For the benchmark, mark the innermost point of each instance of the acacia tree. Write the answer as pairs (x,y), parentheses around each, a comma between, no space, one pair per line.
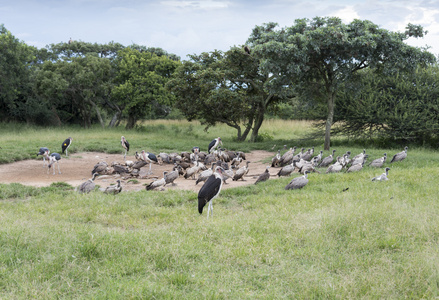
(227,88)
(323,53)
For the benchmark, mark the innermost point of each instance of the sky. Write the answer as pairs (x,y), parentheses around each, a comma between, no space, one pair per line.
(187,27)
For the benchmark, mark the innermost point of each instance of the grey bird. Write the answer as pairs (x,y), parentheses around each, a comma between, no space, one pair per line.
(298,182)
(400,156)
(113,189)
(172,176)
(241,172)
(264,176)
(287,170)
(327,160)
(379,162)
(383,176)
(99,167)
(88,186)
(157,183)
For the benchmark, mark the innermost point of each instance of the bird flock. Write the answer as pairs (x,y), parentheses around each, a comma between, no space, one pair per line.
(214,167)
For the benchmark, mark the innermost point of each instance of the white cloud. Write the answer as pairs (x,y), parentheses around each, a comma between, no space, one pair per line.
(196,4)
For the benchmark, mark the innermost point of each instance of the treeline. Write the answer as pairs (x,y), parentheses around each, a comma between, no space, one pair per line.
(361,78)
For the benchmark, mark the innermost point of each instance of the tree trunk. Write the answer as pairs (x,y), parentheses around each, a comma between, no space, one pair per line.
(258,123)
(114,119)
(131,122)
(97,112)
(329,120)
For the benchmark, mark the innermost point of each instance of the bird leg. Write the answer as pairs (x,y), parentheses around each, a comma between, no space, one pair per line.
(150,172)
(125,156)
(59,171)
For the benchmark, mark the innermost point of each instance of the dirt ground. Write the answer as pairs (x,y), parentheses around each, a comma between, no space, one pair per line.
(77,168)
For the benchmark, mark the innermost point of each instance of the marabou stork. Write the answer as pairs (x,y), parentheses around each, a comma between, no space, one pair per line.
(383,176)
(44,151)
(53,158)
(400,156)
(125,145)
(150,158)
(210,190)
(66,144)
(88,186)
(214,144)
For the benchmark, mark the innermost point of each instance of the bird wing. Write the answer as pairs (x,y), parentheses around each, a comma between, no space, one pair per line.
(208,191)
(127,145)
(152,157)
(212,143)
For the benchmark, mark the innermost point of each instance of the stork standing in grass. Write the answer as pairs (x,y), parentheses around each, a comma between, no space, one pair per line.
(214,144)
(210,190)
(44,151)
(53,158)
(65,145)
(125,145)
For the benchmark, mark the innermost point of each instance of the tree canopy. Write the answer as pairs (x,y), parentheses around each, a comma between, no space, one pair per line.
(317,56)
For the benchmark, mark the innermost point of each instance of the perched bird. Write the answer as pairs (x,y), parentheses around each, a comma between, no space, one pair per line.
(150,158)
(65,145)
(53,158)
(125,145)
(327,160)
(298,182)
(264,176)
(287,170)
(44,151)
(214,144)
(157,183)
(241,172)
(247,50)
(88,186)
(172,176)
(113,189)
(276,159)
(210,190)
(383,176)
(379,162)
(400,156)
(205,174)
(99,167)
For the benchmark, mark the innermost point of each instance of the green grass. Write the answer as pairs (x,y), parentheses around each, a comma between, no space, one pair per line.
(376,240)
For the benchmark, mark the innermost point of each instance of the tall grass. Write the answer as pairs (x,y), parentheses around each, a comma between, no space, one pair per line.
(375,240)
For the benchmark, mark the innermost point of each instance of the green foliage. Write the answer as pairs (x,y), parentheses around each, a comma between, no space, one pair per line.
(140,83)
(403,107)
(317,56)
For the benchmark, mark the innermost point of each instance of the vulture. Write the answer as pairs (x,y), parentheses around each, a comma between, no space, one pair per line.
(379,162)
(264,176)
(383,176)
(157,183)
(327,160)
(241,172)
(400,156)
(298,182)
(113,189)
(88,186)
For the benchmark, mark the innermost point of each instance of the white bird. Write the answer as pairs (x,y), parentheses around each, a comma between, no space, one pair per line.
(383,176)
(157,183)
(210,190)
(113,189)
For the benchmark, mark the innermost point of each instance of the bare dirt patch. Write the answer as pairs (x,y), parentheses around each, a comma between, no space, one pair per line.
(77,168)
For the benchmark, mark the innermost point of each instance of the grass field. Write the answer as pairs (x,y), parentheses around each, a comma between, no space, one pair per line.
(376,240)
